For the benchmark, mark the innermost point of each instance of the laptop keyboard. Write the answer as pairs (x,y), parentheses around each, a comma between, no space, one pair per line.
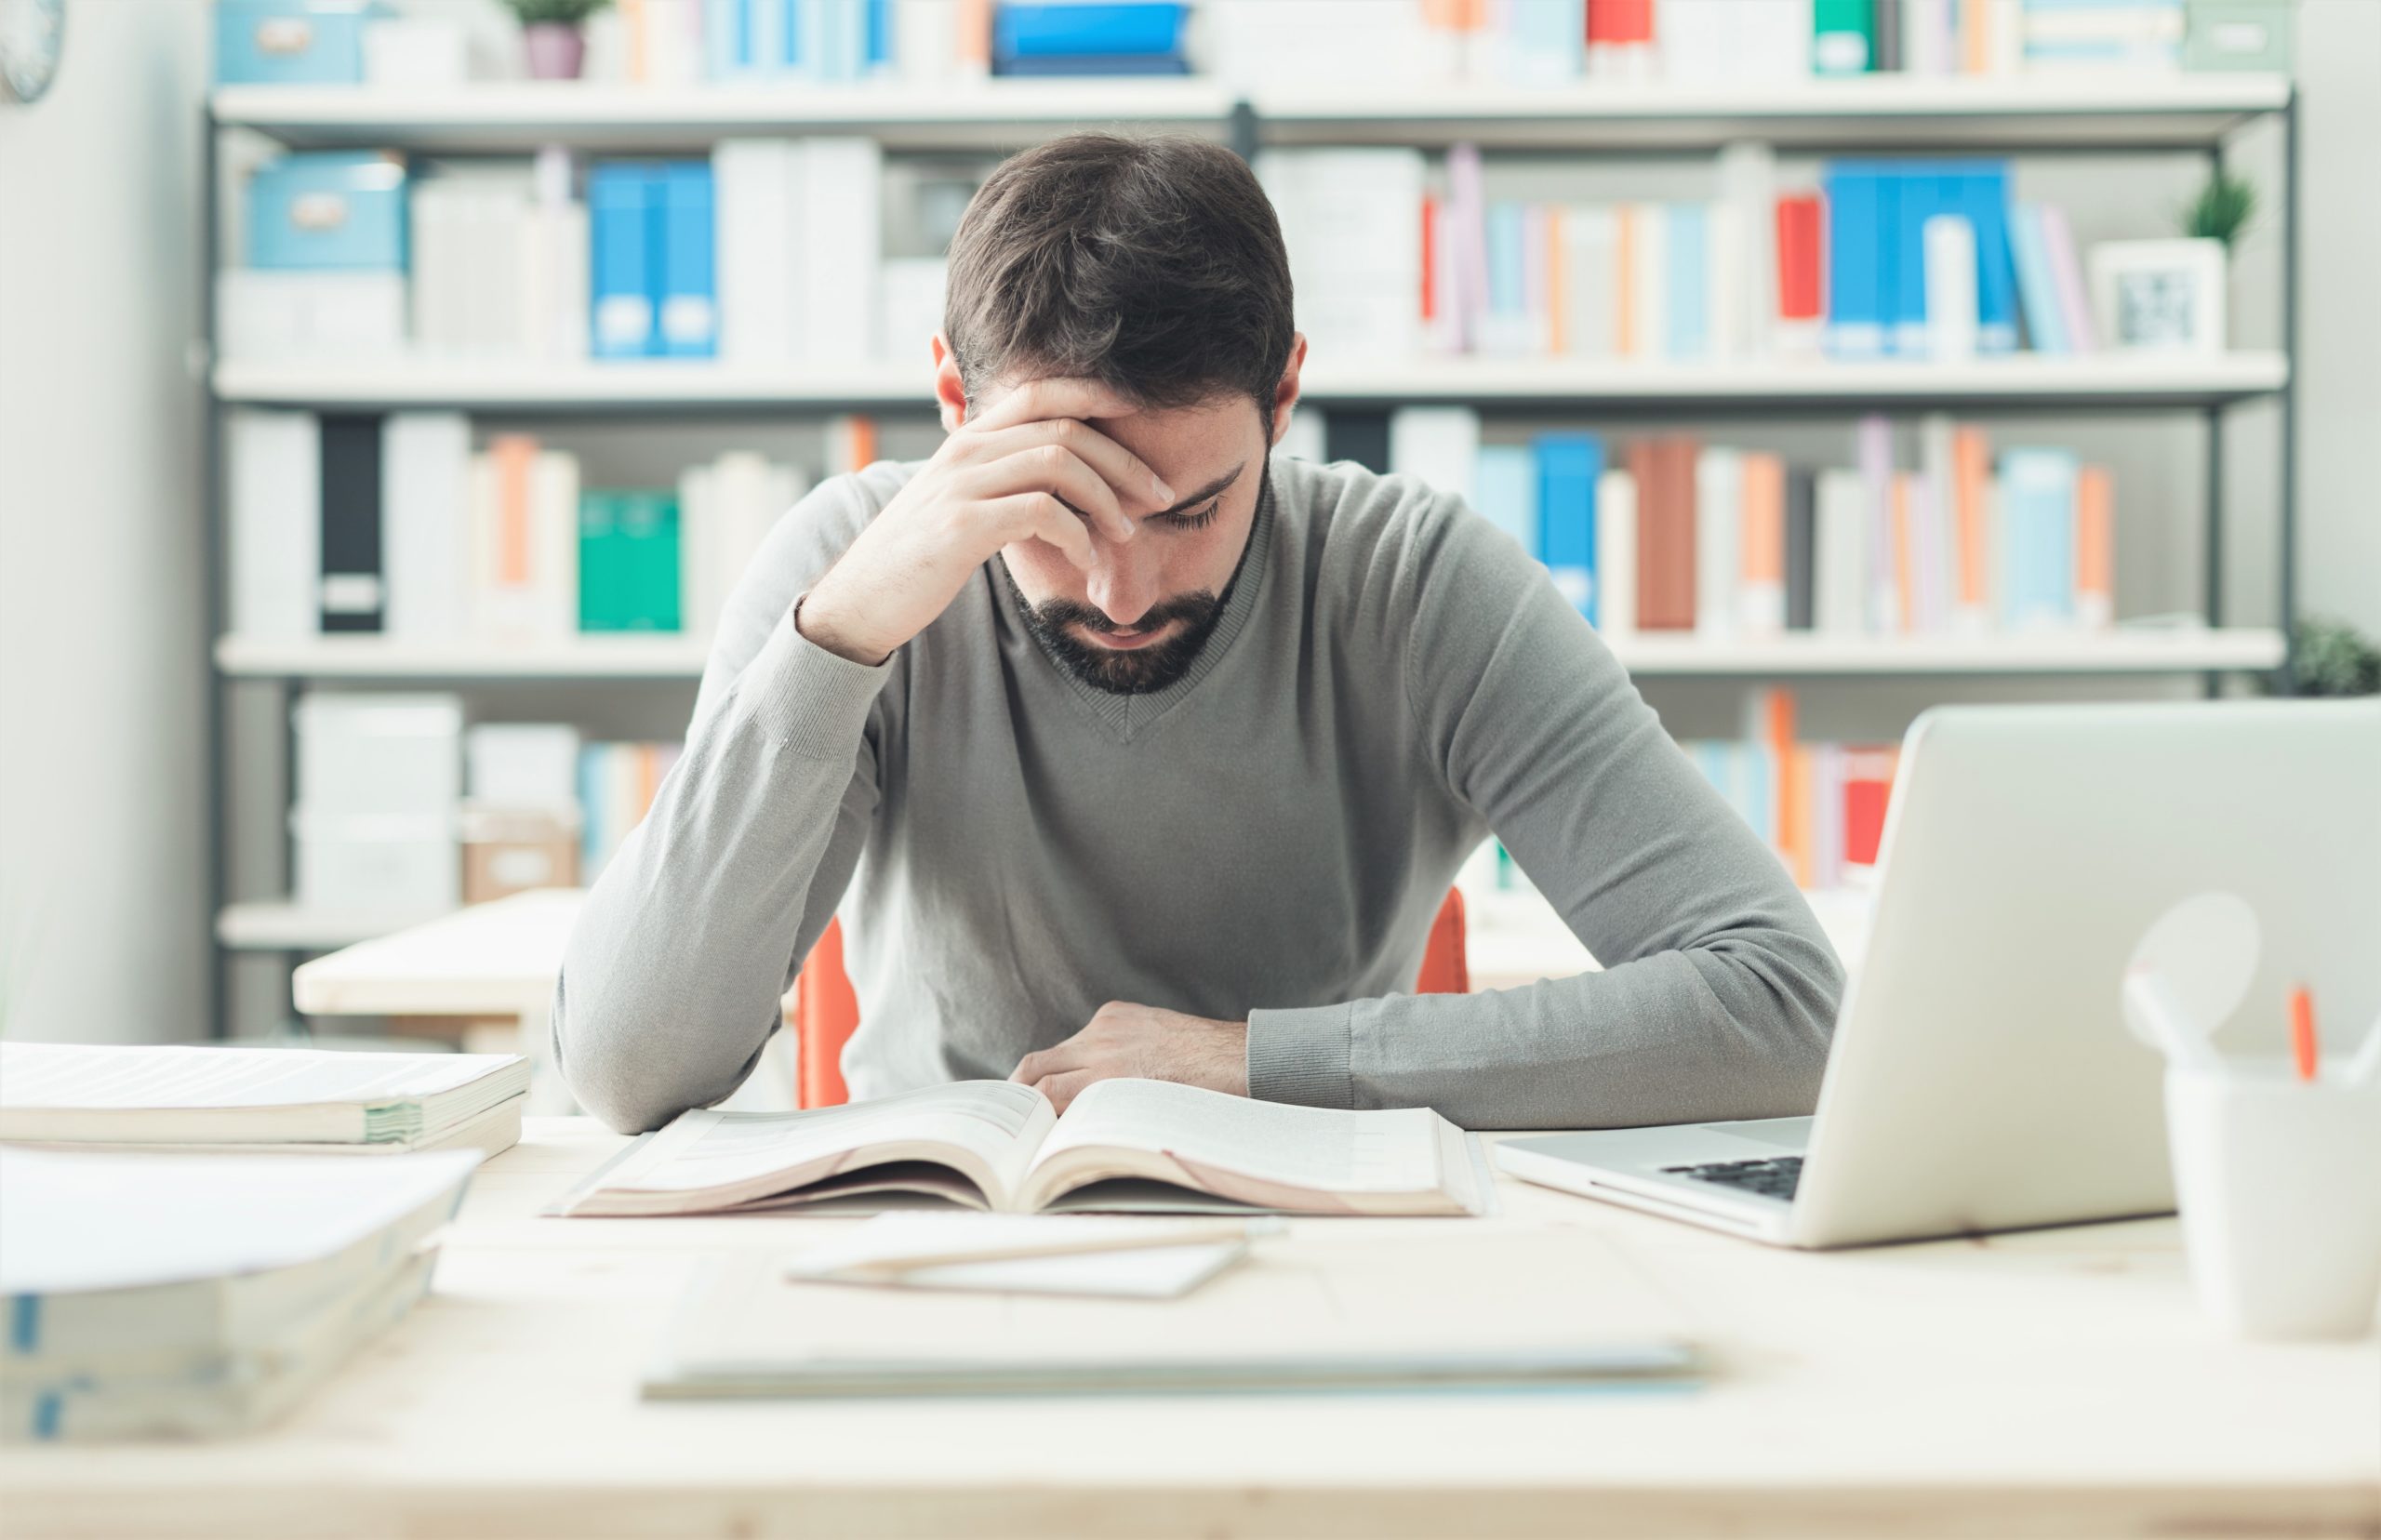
(1774,1178)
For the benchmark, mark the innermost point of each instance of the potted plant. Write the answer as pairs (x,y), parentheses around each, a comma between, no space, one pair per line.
(552,38)
(2331,659)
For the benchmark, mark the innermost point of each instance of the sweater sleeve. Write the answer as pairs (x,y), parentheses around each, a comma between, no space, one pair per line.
(672,979)
(1719,988)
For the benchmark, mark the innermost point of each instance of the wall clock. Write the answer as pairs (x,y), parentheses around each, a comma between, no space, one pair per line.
(32,33)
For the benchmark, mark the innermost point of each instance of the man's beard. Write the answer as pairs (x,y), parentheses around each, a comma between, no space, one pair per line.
(1140,671)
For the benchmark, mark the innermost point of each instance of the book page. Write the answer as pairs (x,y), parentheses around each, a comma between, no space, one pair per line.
(68,1075)
(986,1129)
(1204,1138)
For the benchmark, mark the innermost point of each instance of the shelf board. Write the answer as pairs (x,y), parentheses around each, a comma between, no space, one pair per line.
(2183,650)
(2145,651)
(2103,380)
(377,657)
(523,115)
(1885,112)
(279,925)
(1888,112)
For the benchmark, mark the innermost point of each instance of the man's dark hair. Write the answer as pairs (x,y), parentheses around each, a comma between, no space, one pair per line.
(1153,265)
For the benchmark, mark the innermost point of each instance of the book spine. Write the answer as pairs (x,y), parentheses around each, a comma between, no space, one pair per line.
(1855,319)
(275,526)
(351,594)
(1719,517)
(619,196)
(688,309)
(1802,548)
(425,500)
(1762,538)
(1949,244)
(2095,548)
(1840,582)
(1984,198)
(1568,465)
(1616,555)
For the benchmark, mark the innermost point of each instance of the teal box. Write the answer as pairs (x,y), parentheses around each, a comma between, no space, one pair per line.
(332,209)
(292,42)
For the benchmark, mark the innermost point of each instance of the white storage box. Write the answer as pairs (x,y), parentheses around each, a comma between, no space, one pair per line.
(376,862)
(379,754)
(521,764)
(265,314)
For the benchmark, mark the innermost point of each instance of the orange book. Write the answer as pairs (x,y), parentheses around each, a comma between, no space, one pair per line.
(1794,814)
(1454,15)
(2094,546)
(634,22)
(514,455)
(975,39)
(1904,579)
(1975,38)
(1624,333)
(1761,544)
(1430,259)
(1971,514)
(1557,300)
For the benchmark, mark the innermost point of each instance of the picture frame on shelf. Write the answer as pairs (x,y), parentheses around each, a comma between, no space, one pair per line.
(2159,297)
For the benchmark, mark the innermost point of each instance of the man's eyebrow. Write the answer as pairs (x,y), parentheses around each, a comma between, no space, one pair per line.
(1211,489)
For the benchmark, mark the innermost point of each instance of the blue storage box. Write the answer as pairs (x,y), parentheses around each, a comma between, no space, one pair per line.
(1025,31)
(292,42)
(343,209)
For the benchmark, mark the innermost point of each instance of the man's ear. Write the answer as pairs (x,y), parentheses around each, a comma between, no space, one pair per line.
(950,391)
(1285,395)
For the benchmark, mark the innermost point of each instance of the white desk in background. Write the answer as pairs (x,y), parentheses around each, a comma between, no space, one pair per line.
(2052,1383)
(500,960)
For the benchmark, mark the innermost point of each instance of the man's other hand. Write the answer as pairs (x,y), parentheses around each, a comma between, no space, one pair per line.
(1127,1041)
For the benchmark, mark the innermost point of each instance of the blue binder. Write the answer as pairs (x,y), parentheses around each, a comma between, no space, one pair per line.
(1568,465)
(689,306)
(623,200)
(1855,319)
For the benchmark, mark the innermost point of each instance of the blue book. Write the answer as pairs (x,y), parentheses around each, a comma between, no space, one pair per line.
(878,52)
(1126,27)
(1918,197)
(2038,537)
(1552,34)
(623,200)
(1508,492)
(727,39)
(1984,198)
(1507,287)
(1856,317)
(1686,286)
(1885,238)
(2037,289)
(688,303)
(1568,465)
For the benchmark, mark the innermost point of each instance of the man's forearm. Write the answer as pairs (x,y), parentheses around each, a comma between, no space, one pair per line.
(672,979)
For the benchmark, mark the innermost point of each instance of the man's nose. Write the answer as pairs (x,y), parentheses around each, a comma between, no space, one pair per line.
(1124,580)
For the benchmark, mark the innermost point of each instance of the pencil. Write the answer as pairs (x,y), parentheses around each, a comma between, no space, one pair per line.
(2302,1031)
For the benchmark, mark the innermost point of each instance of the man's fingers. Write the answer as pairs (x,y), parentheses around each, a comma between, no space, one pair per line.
(1039,516)
(1062,1089)
(1055,469)
(1054,398)
(1133,481)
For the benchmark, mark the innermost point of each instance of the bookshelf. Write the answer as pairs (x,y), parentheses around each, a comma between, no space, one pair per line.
(2190,113)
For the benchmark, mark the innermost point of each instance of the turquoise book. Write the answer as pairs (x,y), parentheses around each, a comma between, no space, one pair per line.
(627,562)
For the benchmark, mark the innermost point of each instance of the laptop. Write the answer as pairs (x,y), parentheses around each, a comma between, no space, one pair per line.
(1981,1076)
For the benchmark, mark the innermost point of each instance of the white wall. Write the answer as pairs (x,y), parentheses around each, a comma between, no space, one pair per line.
(102,687)
(2339,269)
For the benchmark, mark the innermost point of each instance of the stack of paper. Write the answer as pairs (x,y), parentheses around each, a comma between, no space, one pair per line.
(281,1100)
(196,1296)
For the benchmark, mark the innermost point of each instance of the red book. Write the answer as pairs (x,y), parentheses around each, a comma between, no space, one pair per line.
(1799,289)
(1621,20)
(1430,258)
(1665,472)
(1867,786)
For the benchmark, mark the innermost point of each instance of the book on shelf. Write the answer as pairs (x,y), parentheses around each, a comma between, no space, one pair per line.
(1819,806)
(162,1296)
(393,525)
(303,1099)
(1732,544)
(1124,1145)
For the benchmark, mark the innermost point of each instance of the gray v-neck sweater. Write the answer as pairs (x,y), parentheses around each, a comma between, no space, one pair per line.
(1268,838)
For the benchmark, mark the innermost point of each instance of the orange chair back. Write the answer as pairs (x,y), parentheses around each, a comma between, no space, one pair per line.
(825,1012)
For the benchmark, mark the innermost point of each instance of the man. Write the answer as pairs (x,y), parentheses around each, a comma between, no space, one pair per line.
(1127,750)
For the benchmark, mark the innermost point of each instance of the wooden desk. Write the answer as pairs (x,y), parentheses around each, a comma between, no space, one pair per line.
(2057,1382)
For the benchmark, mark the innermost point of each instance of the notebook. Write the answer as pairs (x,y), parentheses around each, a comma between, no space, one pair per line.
(259,1097)
(1336,1307)
(1124,1145)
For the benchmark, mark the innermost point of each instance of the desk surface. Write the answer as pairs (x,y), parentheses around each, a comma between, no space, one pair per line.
(2052,1382)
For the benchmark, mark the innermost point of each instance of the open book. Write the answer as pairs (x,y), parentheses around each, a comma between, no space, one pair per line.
(1124,1144)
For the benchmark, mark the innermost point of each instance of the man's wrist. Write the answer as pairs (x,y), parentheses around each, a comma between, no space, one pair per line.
(820,630)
